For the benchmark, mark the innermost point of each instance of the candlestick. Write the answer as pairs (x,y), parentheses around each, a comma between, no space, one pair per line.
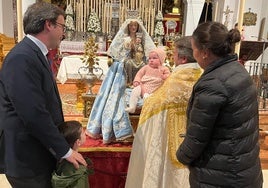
(240,22)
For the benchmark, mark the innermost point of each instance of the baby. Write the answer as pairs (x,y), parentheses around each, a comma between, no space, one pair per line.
(148,78)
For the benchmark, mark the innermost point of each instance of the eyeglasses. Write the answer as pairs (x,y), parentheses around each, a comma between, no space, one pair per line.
(62,25)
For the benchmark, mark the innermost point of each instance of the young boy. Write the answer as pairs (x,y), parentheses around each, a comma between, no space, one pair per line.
(66,175)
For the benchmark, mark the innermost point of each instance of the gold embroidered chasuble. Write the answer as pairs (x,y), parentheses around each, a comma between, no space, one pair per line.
(153,161)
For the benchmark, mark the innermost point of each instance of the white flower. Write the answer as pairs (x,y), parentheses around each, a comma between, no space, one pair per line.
(93,24)
(69,23)
(159,29)
(69,10)
(159,16)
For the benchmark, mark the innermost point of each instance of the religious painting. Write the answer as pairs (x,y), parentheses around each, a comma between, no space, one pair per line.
(250,18)
(172,23)
(101,41)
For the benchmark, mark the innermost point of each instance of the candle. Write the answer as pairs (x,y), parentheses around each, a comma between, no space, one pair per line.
(139,8)
(149,20)
(81,16)
(152,26)
(77,16)
(240,22)
(110,18)
(216,4)
(167,27)
(19,17)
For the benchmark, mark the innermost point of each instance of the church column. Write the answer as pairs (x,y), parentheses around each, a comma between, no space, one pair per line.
(240,22)
(1,17)
(22,6)
(19,20)
(192,13)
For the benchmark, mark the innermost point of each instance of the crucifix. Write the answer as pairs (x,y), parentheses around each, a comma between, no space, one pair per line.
(226,13)
(207,3)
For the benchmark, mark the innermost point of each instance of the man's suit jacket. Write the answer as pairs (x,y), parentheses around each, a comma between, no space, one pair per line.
(30,109)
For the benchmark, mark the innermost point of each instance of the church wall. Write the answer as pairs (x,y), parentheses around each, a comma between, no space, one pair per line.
(232,19)
(6,18)
(251,32)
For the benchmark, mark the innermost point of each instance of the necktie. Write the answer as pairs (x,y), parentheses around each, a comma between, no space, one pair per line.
(48,59)
(49,64)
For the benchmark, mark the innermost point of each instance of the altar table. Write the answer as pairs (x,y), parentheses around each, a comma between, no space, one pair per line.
(69,69)
(70,65)
(110,163)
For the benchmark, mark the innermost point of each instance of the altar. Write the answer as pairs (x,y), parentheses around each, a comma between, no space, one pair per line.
(70,65)
(70,69)
(110,163)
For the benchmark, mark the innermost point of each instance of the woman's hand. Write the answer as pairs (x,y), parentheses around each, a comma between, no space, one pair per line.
(164,73)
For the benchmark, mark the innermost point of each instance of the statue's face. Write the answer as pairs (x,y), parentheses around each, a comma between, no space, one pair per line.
(133,27)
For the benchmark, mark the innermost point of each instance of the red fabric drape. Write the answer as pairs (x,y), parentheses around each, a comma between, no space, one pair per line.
(110,169)
(110,163)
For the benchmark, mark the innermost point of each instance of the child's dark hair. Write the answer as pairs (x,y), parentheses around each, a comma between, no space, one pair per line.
(71,131)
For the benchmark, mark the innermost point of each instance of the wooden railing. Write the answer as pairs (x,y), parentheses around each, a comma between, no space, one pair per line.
(259,74)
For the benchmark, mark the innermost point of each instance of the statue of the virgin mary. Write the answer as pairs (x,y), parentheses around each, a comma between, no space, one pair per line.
(108,118)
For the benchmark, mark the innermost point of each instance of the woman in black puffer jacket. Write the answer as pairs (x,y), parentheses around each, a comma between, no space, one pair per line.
(221,143)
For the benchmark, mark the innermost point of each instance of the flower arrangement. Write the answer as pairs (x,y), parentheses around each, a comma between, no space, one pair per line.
(90,60)
(69,10)
(91,48)
(69,21)
(159,28)
(93,24)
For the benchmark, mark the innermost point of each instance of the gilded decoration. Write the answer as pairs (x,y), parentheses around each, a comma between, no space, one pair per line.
(250,18)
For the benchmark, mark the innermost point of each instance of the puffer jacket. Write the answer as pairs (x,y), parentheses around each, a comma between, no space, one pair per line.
(221,144)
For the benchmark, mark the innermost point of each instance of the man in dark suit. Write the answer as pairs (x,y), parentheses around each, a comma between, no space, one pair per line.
(30,106)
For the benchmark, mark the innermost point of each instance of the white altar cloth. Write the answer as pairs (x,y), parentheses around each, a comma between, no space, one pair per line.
(72,46)
(70,65)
